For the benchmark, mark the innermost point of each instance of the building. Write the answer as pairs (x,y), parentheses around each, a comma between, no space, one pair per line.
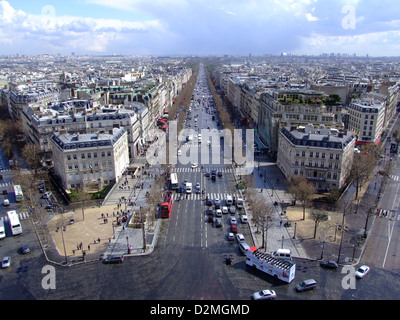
(296,107)
(367,118)
(90,161)
(323,155)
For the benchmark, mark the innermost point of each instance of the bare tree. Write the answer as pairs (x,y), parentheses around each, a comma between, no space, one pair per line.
(318,217)
(361,170)
(262,212)
(301,190)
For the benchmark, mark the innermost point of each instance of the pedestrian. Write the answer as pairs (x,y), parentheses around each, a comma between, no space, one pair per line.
(88,247)
(280,223)
(98,240)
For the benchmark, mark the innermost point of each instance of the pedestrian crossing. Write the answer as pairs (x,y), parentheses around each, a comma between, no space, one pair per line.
(5,184)
(395,178)
(388,214)
(22,216)
(199,196)
(188,169)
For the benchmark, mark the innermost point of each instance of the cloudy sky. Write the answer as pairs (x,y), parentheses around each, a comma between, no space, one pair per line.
(142,27)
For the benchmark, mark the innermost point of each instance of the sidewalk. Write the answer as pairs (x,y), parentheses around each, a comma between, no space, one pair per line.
(80,239)
(278,236)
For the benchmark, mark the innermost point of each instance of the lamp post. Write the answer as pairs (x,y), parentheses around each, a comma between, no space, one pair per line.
(294,235)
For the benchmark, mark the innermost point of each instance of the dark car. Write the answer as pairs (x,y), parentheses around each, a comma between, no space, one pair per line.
(5,192)
(219,173)
(210,212)
(218,222)
(24,249)
(209,202)
(329,264)
(207,174)
(180,189)
(114,259)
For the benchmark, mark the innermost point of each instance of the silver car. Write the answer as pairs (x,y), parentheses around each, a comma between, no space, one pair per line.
(264,295)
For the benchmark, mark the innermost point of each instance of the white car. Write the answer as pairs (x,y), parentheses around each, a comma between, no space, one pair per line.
(218,213)
(264,295)
(225,210)
(240,237)
(362,272)
(231,236)
(194,165)
(6,262)
(233,220)
(244,219)
(179,152)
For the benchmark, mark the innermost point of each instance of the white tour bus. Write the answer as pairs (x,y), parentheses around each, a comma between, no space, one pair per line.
(2,230)
(15,224)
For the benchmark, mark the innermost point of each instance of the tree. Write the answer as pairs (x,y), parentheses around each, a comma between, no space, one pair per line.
(318,217)
(262,212)
(301,190)
(361,169)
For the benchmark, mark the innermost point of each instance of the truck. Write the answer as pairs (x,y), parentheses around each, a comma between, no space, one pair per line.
(283,270)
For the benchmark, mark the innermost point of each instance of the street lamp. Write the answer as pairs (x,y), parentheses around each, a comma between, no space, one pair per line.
(294,235)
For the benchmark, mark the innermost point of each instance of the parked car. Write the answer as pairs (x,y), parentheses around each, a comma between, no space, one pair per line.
(209,202)
(362,271)
(244,219)
(6,262)
(264,295)
(217,203)
(329,264)
(114,259)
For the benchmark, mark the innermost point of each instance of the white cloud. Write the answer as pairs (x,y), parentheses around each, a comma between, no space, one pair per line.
(51,32)
(310,17)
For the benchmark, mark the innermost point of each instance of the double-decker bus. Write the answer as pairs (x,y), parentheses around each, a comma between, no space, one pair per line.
(19,196)
(174,181)
(15,224)
(166,206)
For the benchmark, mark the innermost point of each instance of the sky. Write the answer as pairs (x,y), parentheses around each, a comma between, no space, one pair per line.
(200,27)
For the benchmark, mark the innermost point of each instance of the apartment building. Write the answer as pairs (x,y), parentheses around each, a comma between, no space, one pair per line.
(77,117)
(323,155)
(90,161)
(367,118)
(298,107)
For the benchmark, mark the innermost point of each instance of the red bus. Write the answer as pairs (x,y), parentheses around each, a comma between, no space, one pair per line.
(166,206)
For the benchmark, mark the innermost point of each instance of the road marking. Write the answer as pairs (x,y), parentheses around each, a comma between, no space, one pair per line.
(390,233)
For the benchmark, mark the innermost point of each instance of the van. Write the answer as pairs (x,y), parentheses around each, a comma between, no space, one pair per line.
(244,247)
(229,200)
(284,254)
(306,285)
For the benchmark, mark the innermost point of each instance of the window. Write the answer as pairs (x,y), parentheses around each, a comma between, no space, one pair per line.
(89,155)
(82,156)
(68,157)
(94,154)
(311,154)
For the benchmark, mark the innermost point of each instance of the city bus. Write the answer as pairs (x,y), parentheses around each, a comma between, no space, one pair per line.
(174,181)
(15,224)
(19,196)
(166,206)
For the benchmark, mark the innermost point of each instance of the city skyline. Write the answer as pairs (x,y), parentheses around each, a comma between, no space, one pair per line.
(182,27)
